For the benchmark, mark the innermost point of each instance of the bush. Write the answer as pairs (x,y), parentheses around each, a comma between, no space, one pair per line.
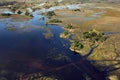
(28,14)
(50,13)
(94,35)
(6,14)
(76,45)
(65,34)
(19,12)
(55,21)
(69,26)
(76,9)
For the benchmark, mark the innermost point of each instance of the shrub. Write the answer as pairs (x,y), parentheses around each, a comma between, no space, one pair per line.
(55,21)
(6,14)
(94,35)
(28,14)
(76,9)
(19,12)
(77,45)
(69,26)
(50,13)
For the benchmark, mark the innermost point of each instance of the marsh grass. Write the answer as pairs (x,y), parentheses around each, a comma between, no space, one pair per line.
(112,13)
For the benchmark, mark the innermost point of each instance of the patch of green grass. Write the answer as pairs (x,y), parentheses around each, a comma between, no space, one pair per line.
(55,21)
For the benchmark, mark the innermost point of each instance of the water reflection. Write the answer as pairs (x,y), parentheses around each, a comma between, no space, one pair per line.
(32,46)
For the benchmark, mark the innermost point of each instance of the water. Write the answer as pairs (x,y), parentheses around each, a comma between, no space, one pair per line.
(32,46)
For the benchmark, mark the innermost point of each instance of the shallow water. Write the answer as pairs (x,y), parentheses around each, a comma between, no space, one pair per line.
(26,48)
(32,46)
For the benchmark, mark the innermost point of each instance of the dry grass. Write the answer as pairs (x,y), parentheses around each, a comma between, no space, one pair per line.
(108,22)
(17,17)
(112,13)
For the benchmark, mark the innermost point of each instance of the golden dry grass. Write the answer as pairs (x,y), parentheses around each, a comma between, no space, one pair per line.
(108,22)
(17,17)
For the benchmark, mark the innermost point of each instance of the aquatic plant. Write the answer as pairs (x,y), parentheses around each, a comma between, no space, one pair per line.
(11,28)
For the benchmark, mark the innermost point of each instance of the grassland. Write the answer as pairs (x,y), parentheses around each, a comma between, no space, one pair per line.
(103,18)
(108,52)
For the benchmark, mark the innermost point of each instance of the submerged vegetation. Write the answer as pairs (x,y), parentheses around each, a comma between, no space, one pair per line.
(11,28)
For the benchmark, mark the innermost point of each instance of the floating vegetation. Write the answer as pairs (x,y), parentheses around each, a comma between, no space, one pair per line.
(48,35)
(58,57)
(11,28)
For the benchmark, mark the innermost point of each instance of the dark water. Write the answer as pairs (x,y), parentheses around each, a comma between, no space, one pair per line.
(32,46)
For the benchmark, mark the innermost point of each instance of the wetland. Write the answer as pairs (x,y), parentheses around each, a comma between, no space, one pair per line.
(64,42)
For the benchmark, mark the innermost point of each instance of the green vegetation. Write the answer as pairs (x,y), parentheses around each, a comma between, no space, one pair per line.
(69,26)
(54,21)
(13,9)
(77,45)
(19,12)
(76,9)
(94,36)
(5,14)
(65,34)
(50,13)
(89,39)
(28,14)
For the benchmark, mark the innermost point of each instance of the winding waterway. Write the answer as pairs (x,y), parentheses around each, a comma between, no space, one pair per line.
(32,46)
